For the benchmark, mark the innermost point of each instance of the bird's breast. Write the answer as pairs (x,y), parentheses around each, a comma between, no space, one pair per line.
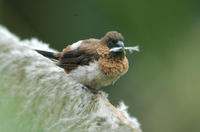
(91,75)
(113,67)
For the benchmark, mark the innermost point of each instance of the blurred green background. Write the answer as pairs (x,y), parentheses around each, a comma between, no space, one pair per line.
(162,85)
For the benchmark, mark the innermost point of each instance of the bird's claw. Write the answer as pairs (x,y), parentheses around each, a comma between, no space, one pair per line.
(92,90)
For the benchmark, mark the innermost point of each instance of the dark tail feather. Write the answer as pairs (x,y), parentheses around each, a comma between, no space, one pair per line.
(48,54)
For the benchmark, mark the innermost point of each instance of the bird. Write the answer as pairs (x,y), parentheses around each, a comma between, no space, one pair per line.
(95,63)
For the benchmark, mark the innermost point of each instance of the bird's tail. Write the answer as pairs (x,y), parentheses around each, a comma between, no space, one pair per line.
(48,54)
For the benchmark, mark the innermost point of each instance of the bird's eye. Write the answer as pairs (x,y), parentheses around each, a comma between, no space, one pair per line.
(111,43)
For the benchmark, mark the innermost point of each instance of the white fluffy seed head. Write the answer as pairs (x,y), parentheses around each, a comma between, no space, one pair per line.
(130,49)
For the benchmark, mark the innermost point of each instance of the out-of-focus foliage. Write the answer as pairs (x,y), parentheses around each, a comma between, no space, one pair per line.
(161,87)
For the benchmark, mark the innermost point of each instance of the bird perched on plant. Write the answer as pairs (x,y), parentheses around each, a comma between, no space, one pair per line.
(95,63)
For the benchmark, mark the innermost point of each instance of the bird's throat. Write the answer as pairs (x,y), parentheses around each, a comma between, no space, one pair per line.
(113,66)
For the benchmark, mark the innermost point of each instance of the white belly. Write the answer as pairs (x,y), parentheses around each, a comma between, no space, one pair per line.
(92,76)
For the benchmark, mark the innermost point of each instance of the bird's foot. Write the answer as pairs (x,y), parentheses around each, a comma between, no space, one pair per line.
(92,90)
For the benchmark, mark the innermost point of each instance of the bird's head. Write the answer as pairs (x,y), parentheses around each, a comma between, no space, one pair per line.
(115,42)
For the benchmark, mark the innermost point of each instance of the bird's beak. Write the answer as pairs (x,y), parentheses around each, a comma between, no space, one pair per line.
(119,48)
(120,44)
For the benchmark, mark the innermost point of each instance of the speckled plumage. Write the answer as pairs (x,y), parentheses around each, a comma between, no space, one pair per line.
(111,65)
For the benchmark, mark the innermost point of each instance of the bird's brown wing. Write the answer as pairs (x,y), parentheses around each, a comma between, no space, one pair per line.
(83,55)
